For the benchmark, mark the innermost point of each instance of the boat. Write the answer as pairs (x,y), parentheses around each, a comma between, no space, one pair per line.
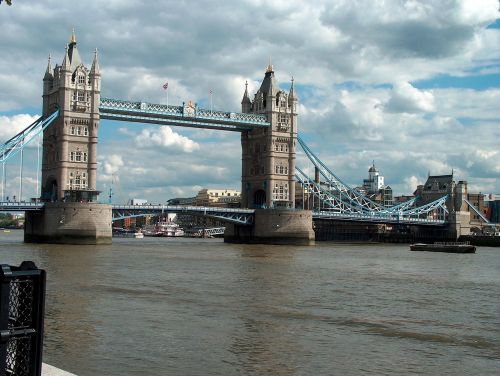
(450,247)
(124,233)
(164,228)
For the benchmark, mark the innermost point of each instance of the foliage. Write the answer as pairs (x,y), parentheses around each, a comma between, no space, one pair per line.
(7,220)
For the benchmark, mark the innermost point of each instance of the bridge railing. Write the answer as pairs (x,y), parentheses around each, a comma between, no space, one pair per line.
(109,105)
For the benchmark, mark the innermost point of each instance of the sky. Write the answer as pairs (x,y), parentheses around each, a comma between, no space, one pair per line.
(412,86)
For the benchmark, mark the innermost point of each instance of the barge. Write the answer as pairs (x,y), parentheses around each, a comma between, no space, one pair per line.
(450,247)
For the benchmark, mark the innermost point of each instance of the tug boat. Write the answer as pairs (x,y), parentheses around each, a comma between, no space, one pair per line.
(450,247)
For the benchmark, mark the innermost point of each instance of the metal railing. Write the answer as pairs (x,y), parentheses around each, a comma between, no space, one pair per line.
(22,301)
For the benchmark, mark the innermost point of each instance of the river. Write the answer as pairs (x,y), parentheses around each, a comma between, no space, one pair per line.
(164,306)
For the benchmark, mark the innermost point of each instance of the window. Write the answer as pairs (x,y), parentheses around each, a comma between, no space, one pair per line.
(77,181)
(81,96)
(84,157)
(72,131)
(78,131)
(74,95)
(78,156)
(81,79)
(71,159)
(85,131)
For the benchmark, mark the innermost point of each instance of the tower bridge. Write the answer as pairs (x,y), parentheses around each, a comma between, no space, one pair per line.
(69,210)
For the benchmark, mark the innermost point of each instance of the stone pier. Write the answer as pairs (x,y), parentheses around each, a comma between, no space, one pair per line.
(69,223)
(274,226)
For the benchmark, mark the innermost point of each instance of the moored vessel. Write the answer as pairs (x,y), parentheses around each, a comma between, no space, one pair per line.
(164,228)
(450,247)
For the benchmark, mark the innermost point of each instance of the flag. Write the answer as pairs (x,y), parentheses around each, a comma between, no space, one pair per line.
(210,92)
(165,85)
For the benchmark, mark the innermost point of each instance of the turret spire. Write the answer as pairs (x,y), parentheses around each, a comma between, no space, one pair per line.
(270,66)
(66,65)
(72,40)
(48,72)
(291,95)
(95,65)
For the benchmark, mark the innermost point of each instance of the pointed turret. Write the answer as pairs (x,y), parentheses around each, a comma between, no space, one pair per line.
(292,94)
(66,64)
(246,103)
(94,70)
(48,73)
(292,97)
(74,56)
(269,86)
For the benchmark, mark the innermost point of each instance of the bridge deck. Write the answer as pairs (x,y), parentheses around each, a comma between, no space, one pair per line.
(186,116)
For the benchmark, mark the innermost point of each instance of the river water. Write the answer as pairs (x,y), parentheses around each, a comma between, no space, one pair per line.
(160,306)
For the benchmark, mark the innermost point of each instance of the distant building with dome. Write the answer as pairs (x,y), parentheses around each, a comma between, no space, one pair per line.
(375,189)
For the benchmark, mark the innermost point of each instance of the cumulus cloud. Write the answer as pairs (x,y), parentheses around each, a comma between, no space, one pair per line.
(112,164)
(12,125)
(406,98)
(165,137)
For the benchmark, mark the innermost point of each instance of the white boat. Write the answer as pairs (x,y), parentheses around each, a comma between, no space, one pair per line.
(164,228)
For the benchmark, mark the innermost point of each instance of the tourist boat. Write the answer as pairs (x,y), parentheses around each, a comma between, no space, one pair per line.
(164,228)
(451,247)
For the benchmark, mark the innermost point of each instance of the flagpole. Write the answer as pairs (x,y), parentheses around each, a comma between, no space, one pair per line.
(167,96)
(210,101)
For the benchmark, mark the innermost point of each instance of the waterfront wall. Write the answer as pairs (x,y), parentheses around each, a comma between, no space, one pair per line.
(70,223)
(274,226)
(372,232)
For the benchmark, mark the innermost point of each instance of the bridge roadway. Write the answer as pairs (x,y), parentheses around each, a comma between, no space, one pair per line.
(239,216)
(234,215)
(186,116)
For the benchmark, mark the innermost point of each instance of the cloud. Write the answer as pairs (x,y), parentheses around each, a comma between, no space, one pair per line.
(165,137)
(112,164)
(406,98)
(12,125)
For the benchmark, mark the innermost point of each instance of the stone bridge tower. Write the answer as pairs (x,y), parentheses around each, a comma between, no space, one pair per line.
(70,142)
(71,214)
(268,155)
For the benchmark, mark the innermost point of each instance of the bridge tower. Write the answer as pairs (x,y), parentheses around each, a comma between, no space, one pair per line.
(268,155)
(268,170)
(69,164)
(70,142)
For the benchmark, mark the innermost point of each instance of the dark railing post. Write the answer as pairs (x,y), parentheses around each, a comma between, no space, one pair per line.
(22,304)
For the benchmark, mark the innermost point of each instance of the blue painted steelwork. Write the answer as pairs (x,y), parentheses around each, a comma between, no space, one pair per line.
(352,200)
(378,218)
(480,215)
(186,116)
(23,138)
(239,216)
(337,200)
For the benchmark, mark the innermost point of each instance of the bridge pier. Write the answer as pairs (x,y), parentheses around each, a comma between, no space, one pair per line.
(274,226)
(69,223)
(459,224)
